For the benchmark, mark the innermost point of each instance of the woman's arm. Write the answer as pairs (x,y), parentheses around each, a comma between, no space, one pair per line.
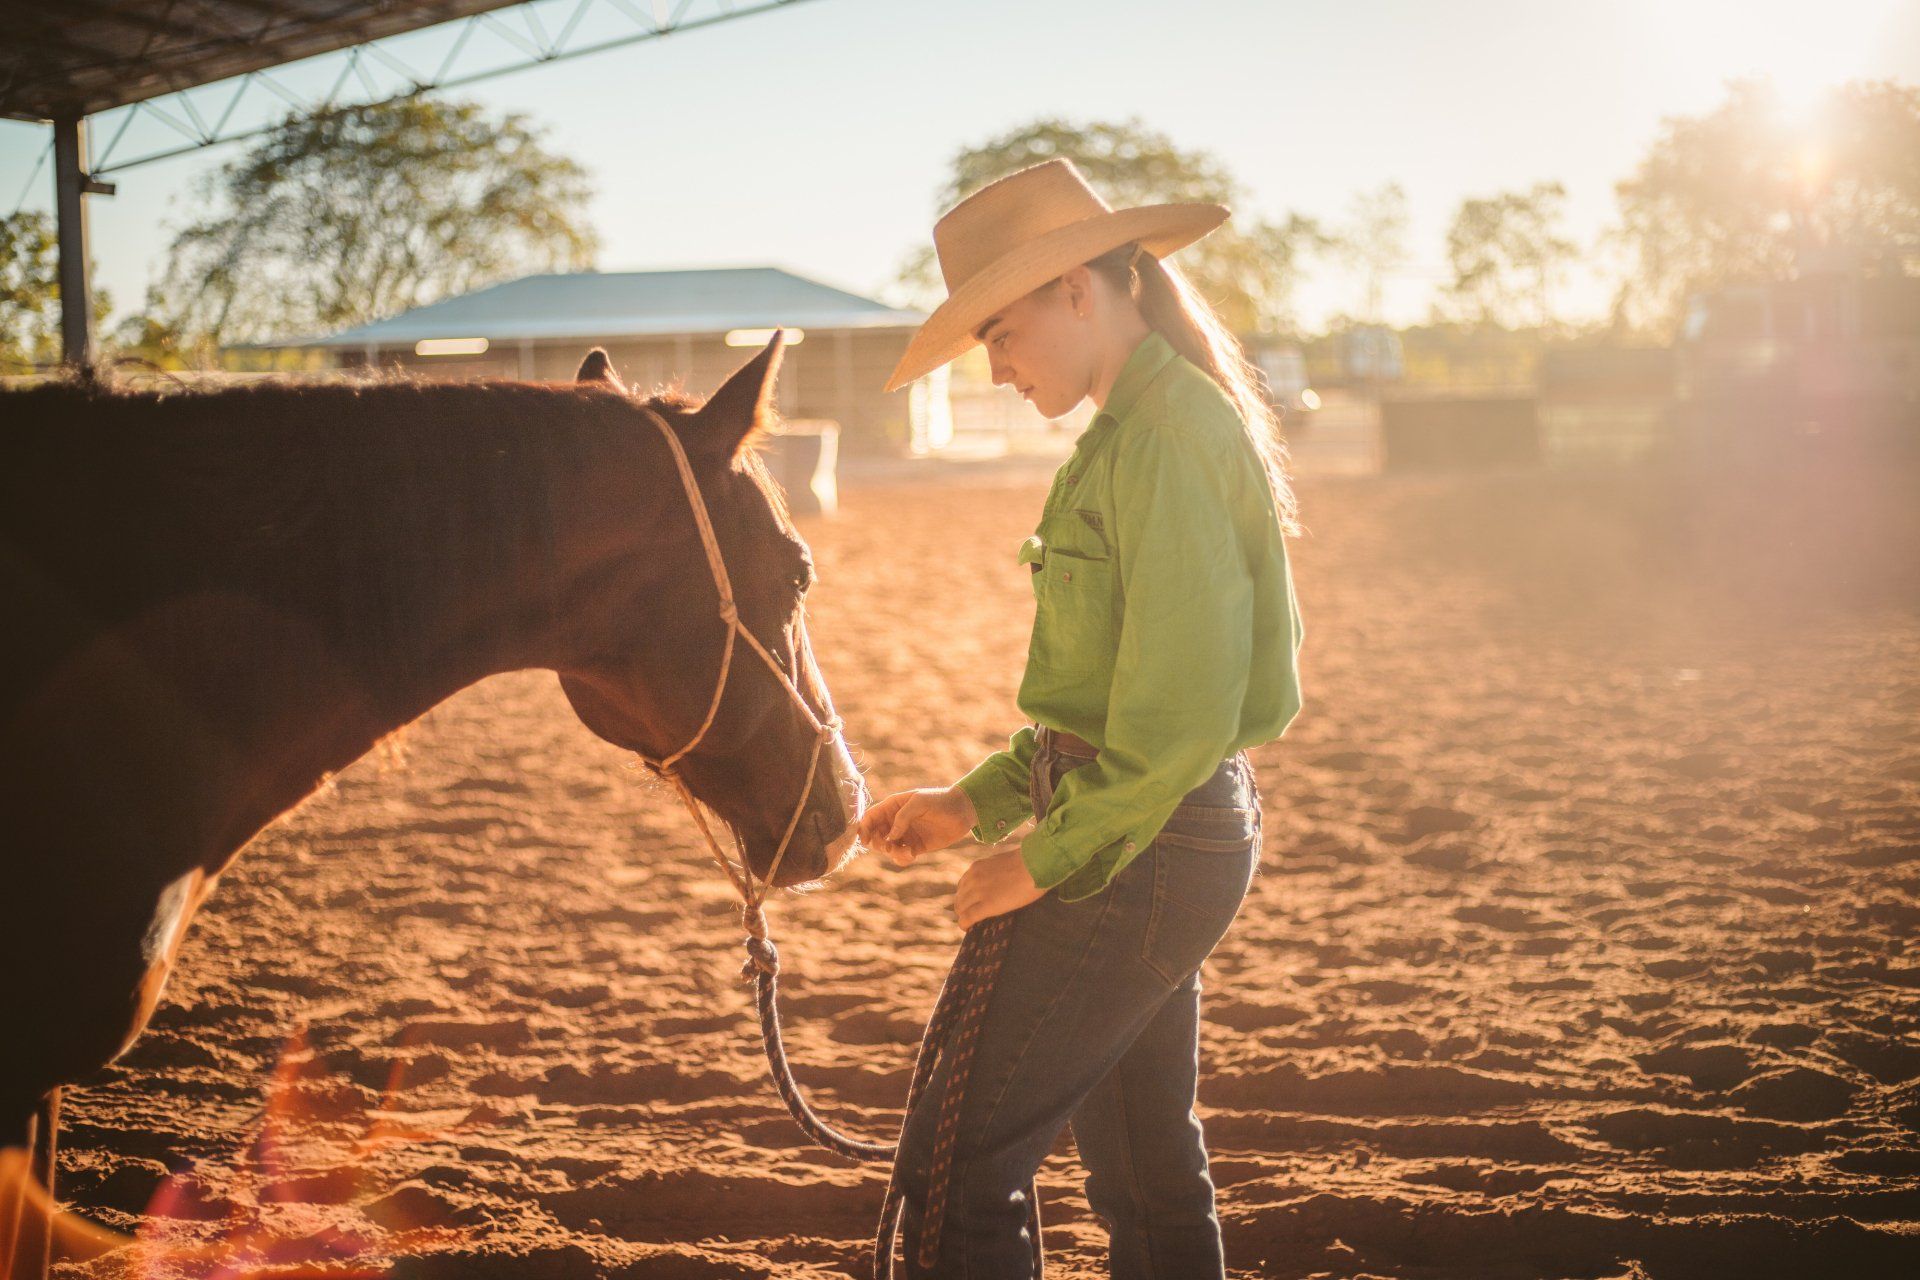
(998,788)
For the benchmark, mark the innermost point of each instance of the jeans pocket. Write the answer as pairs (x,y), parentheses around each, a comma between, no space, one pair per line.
(1211,828)
(1196,895)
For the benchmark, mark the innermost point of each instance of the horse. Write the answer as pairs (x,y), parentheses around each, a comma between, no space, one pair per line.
(217,599)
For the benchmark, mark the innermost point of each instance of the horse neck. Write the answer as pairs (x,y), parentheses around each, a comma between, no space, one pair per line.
(440,547)
(470,568)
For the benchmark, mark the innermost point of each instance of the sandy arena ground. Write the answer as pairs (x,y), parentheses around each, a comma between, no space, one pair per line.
(1583,944)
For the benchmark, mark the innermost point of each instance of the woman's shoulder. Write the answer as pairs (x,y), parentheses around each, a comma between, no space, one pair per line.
(1187,403)
(1183,437)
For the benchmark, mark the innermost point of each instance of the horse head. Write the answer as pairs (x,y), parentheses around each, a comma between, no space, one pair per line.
(763,763)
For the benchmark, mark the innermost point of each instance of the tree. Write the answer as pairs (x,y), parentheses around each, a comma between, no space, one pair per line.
(1248,268)
(1506,253)
(1374,241)
(30,292)
(29,289)
(1744,193)
(149,339)
(346,216)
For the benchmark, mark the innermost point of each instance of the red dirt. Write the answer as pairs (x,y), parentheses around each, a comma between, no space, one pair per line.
(1583,943)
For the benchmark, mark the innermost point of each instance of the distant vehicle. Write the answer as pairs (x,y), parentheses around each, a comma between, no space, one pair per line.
(1831,355)
(1283,368)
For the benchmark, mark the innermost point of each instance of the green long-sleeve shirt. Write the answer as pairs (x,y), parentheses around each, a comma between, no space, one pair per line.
(1165,633)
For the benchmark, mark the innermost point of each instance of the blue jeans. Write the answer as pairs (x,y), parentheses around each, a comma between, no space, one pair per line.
(1095,1021)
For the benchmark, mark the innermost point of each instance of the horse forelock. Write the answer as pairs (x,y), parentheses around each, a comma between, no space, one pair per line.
(754,466)
(676,406)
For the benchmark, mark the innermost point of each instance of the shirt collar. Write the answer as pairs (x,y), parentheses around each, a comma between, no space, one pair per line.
(1148,359)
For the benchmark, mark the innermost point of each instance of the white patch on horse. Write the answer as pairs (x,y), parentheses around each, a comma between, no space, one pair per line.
(169,919)
(160,944)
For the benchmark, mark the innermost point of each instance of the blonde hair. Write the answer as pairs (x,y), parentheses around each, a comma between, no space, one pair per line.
(1174,308)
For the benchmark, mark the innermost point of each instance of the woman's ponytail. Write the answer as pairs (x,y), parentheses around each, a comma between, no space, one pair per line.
(1172,307)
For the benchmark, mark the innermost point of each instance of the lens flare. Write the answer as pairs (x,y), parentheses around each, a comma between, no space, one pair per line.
(302,1198)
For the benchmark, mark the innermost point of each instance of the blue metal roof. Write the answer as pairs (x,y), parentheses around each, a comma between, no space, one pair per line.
(595,305)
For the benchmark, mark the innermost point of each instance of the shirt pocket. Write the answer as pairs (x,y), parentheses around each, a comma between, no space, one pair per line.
(1075,586)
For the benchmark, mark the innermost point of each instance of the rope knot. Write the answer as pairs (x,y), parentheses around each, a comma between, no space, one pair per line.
(762,956)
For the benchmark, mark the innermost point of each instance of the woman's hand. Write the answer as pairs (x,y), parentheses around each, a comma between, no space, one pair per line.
(909,823)
(994,886)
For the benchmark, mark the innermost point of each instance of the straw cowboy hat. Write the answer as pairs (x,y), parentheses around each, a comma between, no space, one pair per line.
(1013,235)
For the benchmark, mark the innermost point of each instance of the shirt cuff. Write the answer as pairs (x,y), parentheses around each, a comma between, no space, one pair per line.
(997,806)
(1050,864)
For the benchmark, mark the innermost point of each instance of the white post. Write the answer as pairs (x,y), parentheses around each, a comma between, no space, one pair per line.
(70,207)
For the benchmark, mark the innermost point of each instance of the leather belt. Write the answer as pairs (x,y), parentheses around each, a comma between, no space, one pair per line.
(1069,743)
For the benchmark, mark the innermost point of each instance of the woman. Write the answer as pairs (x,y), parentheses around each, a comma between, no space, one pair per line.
(1165,644)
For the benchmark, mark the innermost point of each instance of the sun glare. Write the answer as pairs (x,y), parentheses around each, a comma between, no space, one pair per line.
(1803,53)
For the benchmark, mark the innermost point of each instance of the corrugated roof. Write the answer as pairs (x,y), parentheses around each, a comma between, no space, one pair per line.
(85,56)
(594,305)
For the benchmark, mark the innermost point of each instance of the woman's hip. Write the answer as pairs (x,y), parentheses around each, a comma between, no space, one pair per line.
(1177,897)
(1222,813)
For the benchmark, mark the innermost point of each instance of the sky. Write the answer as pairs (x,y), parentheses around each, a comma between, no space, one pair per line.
(816,137)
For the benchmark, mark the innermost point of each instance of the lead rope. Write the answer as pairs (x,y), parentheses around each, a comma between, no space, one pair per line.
(954,1025)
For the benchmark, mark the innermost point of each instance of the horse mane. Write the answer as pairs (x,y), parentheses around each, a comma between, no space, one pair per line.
(306,496)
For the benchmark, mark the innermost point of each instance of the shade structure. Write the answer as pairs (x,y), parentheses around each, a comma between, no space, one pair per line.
(82,57)
(64,62)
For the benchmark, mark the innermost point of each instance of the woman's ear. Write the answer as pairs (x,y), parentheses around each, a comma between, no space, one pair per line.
(1076,290)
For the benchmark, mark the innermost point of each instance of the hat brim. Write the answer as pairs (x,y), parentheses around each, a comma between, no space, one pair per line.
(1160,229)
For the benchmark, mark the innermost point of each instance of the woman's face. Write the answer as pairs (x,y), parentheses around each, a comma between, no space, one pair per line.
(1041,345)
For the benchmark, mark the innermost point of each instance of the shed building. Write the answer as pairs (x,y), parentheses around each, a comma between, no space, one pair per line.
(691,328)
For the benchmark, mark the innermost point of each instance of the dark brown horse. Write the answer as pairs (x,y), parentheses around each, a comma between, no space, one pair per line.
(214,600)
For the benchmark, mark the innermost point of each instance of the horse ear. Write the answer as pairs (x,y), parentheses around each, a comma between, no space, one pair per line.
(598,368)
(742,409)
